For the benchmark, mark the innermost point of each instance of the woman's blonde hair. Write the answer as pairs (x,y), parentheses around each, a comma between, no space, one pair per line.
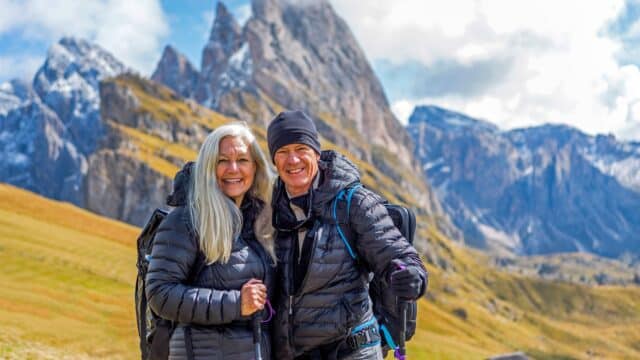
(215,216)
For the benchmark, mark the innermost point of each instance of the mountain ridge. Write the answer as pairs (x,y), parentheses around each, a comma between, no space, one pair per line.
(530,191)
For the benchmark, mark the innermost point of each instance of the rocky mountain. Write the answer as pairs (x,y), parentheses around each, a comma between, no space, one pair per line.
(176,72)
(78,134)
(539,190)
(48,128)
(301,55)
(296,55)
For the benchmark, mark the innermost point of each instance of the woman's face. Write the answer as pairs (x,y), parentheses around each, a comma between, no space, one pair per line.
(235,168)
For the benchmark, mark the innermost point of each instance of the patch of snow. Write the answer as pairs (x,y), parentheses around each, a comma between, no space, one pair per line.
(496,235)
(431,164)
(626,171)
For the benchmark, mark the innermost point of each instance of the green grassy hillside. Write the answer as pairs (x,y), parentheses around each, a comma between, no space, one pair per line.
(68,279)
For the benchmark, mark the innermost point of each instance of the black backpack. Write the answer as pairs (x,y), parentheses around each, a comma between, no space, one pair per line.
(154,331)
(385,306)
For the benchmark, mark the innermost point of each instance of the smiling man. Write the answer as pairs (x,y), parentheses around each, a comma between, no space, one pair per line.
(325,311)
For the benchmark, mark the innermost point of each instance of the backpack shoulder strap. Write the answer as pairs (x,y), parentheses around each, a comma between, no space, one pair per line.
(346,195)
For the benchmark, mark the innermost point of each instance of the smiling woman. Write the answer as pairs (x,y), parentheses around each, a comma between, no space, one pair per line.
(212,265)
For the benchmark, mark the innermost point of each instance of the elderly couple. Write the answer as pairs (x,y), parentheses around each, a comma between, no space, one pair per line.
(274,242)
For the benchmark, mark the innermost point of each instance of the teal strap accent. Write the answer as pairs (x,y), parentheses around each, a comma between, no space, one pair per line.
(338,197)
(349,196)
(335,217)
(387,337)
(363,325)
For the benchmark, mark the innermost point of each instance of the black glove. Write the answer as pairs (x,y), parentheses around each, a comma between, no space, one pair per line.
(406,281)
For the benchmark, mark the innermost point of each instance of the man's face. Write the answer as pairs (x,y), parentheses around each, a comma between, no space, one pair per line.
(297,165)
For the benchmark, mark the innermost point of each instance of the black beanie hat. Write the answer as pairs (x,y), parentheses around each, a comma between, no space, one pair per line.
(292,127)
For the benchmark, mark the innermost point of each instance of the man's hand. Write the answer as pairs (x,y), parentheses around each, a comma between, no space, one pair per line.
(405,281)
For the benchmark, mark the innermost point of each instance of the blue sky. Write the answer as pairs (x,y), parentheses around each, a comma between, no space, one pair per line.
(514,63)
(190,22)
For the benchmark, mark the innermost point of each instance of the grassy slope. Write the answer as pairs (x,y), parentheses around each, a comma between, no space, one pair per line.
(67,278)
(506,312)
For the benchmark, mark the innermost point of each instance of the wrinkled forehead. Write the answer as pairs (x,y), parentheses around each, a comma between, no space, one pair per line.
(234,145)
(294,146)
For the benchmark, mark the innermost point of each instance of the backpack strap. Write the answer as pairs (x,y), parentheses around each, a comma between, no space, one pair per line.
(388,338)
(347,195)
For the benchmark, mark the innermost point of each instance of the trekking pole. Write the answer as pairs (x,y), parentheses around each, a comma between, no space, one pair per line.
(401,351)
(257,334)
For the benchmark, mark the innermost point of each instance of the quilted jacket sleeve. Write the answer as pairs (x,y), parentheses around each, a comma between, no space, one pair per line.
(173,257)
(379,241)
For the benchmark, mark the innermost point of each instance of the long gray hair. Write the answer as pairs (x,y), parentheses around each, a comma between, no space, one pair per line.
(216,217)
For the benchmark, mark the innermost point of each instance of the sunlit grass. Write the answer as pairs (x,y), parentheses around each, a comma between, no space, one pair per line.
(67,281)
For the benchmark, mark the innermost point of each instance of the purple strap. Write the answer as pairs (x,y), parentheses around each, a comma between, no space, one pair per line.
(271,311)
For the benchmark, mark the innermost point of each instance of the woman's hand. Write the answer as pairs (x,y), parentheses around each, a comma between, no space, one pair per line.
(253,295)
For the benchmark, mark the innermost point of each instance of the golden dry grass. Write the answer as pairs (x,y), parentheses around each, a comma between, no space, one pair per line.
(68,279)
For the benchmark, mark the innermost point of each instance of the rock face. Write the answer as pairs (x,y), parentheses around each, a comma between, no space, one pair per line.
(305,48)
(538,190)
(296,55)
(302,55)
(175,71)
(48,129)
(81,136)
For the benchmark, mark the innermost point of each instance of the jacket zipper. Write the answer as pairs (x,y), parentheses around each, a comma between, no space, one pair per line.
(316,230)
(291,286)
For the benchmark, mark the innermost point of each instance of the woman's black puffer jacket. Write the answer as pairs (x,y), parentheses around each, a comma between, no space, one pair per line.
(207,311)
(332,294)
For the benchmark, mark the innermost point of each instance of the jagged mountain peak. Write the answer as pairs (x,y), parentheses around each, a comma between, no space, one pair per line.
(71,56)
(225,37)
(445,119)
(302,55)
(305,56)
(177,72)
(68,82)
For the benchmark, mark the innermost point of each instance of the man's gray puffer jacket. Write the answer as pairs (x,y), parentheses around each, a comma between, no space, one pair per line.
(333,297)
(207,311)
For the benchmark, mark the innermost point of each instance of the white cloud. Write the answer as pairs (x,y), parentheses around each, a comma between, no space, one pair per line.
(242,13)
(20,67)
(131,30)
(560,62)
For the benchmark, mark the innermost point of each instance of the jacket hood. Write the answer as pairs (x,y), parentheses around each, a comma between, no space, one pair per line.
(338,172)
(181,186)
